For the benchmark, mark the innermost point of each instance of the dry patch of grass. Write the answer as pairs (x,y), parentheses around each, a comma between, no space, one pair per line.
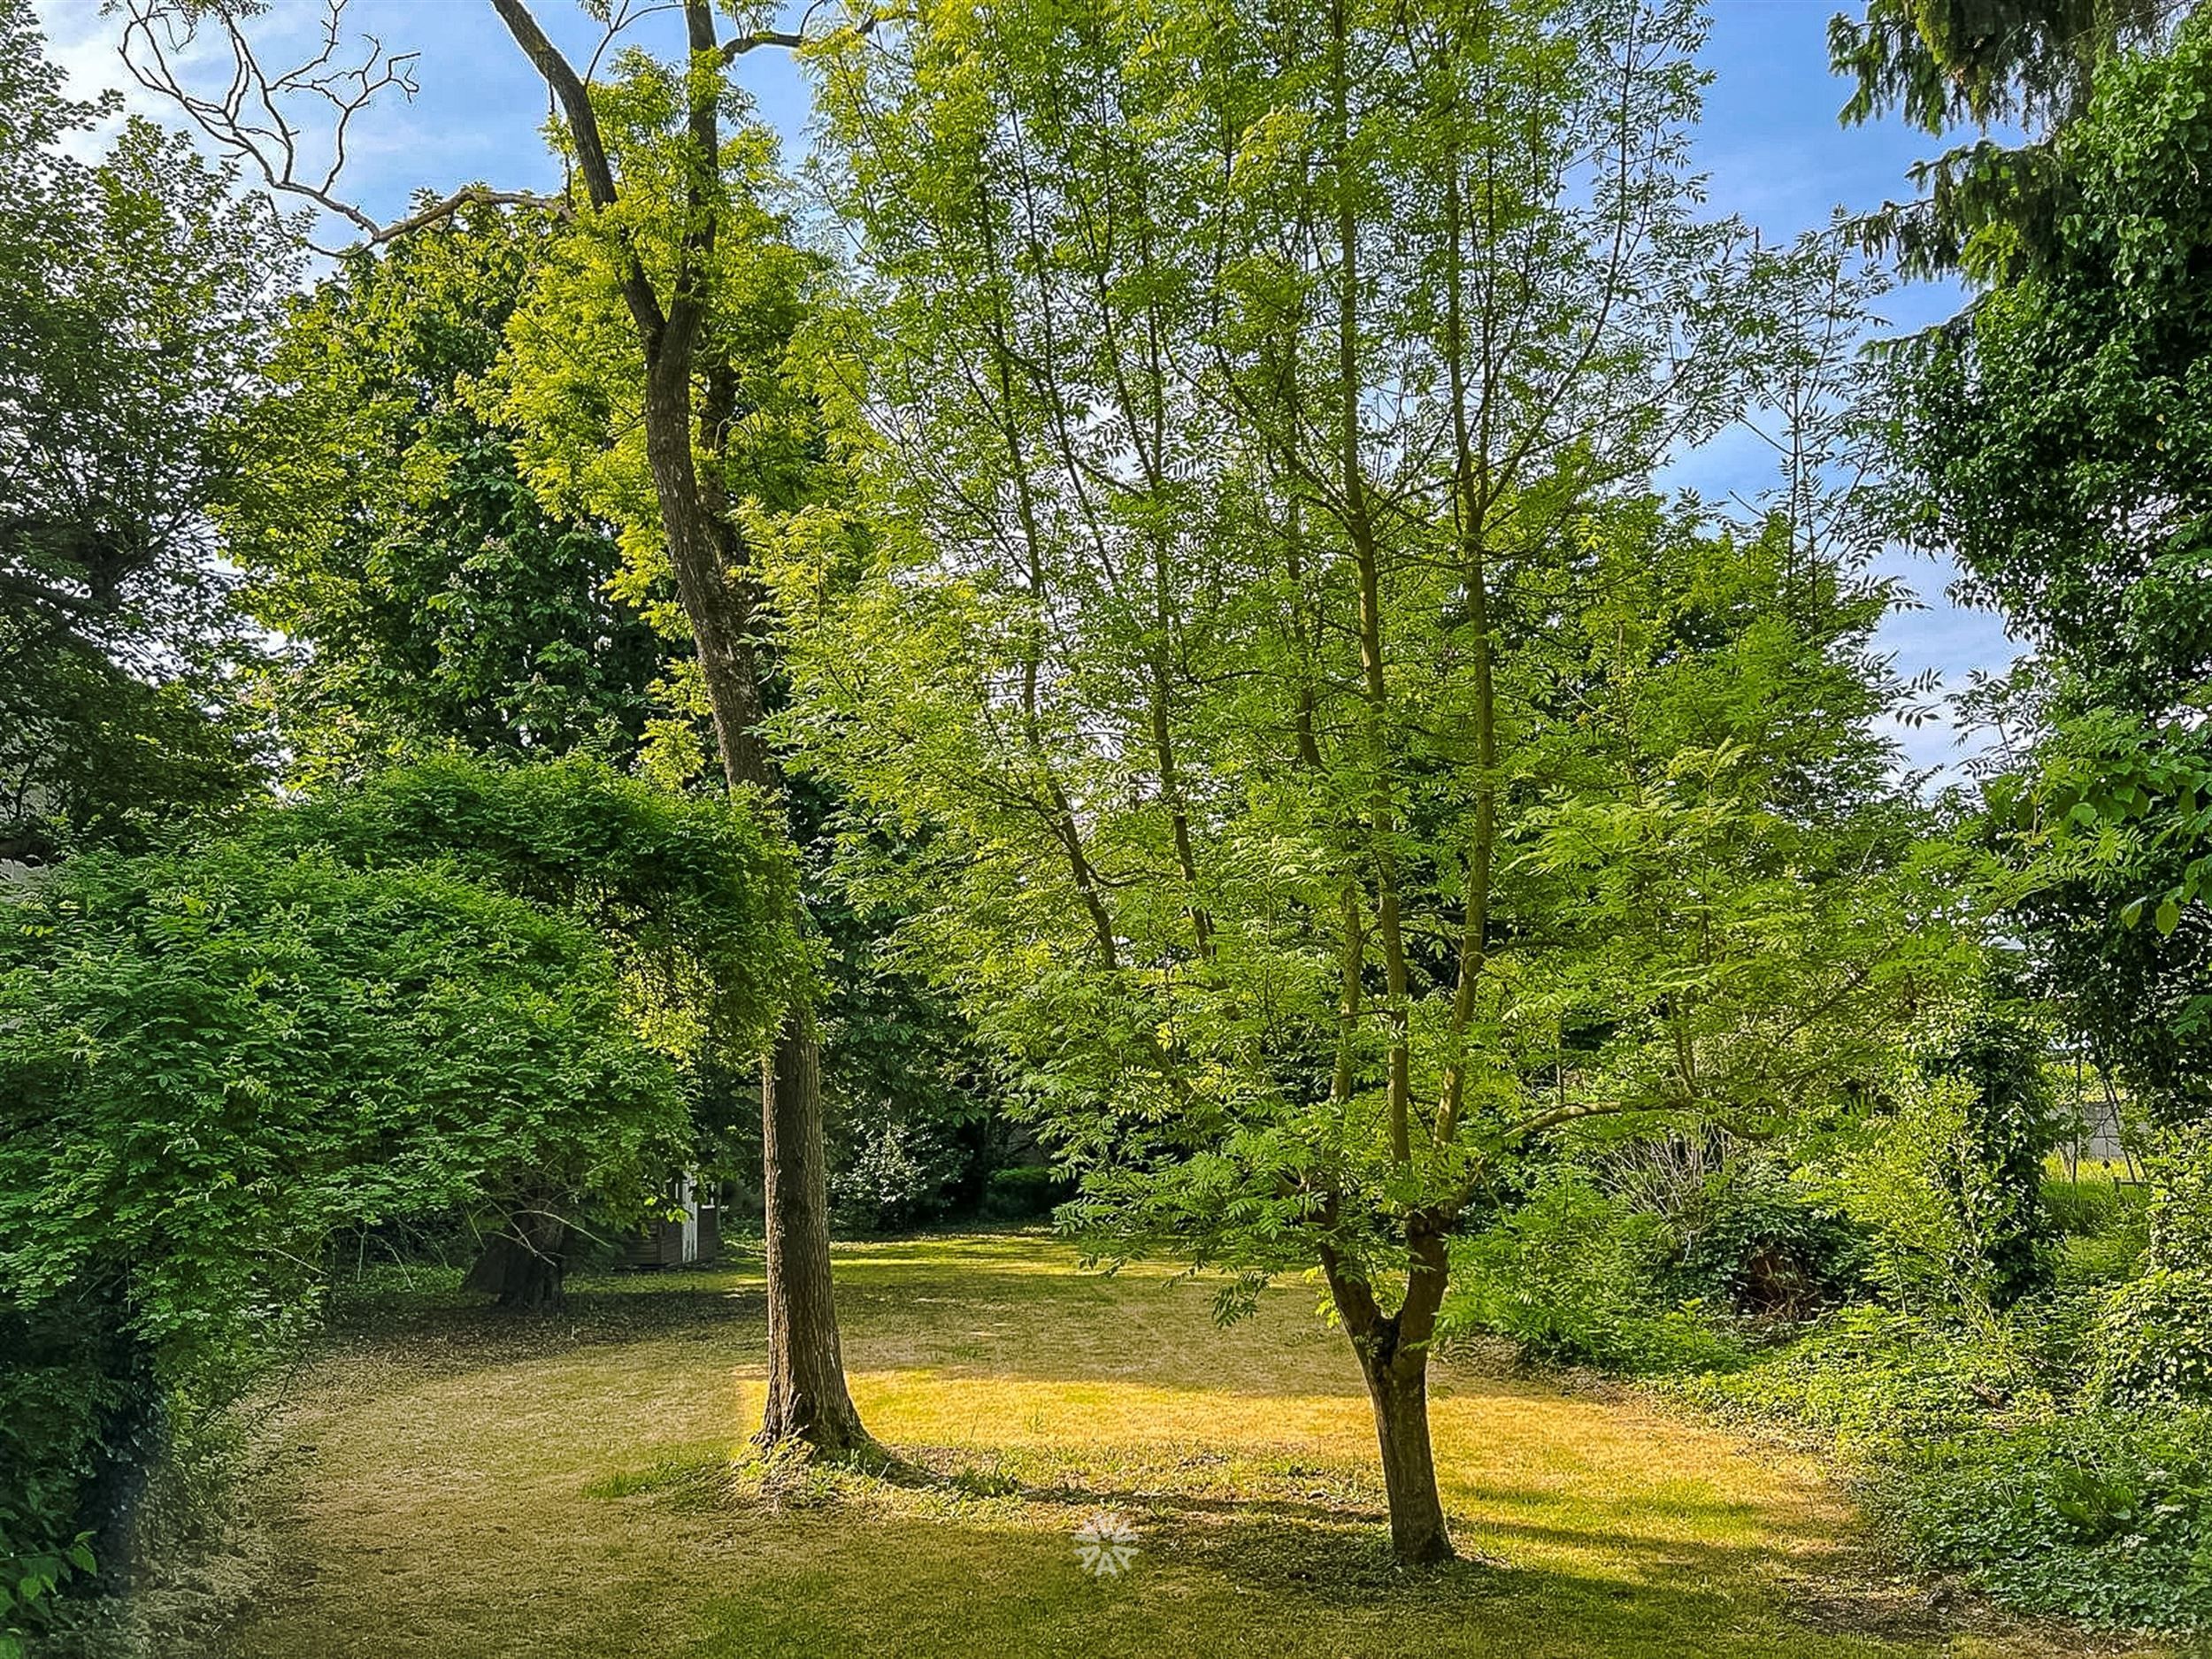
(450,1483)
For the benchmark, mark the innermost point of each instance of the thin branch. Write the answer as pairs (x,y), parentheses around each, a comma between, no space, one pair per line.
(250,118)
(468,196)
(255,115)
(793,40)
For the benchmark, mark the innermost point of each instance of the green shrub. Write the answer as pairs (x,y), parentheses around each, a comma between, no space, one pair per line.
(209,1061)
(2102,1517)
(2156,1340)
(1869,1379)
(895,1176)
(1576,1275)
(1023,1192)
(1759,1243)
(2155,1343)
(2084,1209)
(58,1390)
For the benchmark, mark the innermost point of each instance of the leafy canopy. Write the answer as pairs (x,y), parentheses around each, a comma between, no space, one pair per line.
(138,294)
(1341,768)
(693,895)
(2054,442)
(1987,207)
(426,595)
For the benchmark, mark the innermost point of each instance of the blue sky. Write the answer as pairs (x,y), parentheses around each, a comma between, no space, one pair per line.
(1769,145)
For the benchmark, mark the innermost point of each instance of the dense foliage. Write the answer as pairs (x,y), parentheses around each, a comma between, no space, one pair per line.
(1986,206)
(138,295)
(692,894)
(2052,442)
(214,1059)
(1230,733)
(387,533)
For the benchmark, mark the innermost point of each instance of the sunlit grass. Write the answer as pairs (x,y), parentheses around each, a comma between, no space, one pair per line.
(454,1483)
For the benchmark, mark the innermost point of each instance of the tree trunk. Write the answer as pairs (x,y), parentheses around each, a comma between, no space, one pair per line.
(1394,1356)
(1399,1390)
(524,1266)
(807,1395)
(807,1398)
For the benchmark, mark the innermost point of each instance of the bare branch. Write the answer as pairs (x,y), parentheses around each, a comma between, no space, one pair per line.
(468,196)
(253,117)
(621,21)
(269,117)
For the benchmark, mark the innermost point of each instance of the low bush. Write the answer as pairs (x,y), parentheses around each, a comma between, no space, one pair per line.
(1982,1458)
(1024,1192)
(2103,1517)
(895,1175)
(1870,1380)
(2156,1342)
(1757,1241)
(2087,1207)
(1576,1275)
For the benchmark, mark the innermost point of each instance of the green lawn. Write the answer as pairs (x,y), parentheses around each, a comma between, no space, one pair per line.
(446,1482)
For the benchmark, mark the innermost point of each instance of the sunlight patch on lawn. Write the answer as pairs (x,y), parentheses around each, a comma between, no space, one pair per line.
(458,1484)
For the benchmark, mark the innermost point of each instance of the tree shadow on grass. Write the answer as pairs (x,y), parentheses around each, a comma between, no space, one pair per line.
(395,1341)
(1649,1590)
(978,1319)
(1220,1579)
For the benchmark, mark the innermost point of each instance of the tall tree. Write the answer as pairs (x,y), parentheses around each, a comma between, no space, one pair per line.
(685,402)
(1985,63)
(2052,442)
(1345,772)
(387,532)
(2052,439)
(658,213)
(138,293)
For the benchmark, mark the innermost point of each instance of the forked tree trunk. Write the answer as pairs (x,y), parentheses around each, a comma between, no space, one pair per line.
(1399,1392)
(807,1398)
(1394,1357)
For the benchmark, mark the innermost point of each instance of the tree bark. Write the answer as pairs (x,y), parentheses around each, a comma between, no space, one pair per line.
(1394,1357)
(717,593)
(1399,1391)
(807,1397)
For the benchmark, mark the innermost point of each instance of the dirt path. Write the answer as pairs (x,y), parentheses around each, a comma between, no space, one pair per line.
(447,1485)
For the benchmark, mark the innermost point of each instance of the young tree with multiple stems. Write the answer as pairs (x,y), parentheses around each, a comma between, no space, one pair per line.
(1343,771)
